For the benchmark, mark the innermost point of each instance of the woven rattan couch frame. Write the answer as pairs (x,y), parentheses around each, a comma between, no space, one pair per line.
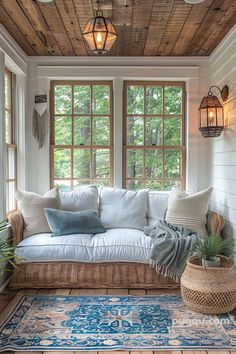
(88,275)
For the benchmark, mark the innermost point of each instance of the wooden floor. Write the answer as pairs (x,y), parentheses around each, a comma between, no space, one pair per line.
(7,296)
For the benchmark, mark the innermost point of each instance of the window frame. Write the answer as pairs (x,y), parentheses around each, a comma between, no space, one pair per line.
(91,147)
(145,147)
(11,144)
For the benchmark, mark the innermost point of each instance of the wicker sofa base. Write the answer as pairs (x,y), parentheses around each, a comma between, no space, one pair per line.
(88,275)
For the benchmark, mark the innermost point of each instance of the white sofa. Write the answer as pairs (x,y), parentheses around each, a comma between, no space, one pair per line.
(117,258)
(123,213)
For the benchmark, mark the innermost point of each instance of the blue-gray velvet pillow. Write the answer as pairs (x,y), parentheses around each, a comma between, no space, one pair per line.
(63,222)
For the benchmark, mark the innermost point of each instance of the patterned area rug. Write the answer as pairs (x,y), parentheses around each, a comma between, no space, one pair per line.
(50,322)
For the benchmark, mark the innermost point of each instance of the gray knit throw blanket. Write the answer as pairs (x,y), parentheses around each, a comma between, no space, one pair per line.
(171,247)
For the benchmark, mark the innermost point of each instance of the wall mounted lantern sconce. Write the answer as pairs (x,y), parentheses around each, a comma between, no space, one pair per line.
(211,113)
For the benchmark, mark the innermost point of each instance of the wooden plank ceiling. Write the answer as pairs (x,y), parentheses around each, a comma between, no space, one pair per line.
(145,27)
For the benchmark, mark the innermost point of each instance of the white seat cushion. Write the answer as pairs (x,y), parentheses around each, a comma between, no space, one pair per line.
(115,245)
(157,205)
(123,208)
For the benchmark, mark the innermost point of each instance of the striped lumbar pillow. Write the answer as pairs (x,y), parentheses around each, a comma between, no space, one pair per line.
(189,210)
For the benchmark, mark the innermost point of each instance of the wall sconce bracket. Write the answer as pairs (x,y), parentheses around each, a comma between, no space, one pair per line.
(224,93)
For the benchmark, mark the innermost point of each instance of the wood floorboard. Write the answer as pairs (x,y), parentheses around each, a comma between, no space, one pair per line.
(8,295)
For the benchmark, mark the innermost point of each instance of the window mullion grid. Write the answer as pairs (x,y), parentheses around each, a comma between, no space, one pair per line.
(163,138)
(72,138)
(91,177)
(145,137)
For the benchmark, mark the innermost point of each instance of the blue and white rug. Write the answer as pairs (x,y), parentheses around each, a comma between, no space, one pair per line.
(50,322)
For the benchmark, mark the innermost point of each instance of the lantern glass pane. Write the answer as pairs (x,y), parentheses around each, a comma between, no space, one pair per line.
(100,24)
(203,118)
(89,26)
(220,117)
(110,27)
(110,40)
(100,39)
(90,40)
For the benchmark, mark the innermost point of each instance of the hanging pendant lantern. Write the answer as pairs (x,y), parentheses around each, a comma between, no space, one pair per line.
(99,33)
(211,113)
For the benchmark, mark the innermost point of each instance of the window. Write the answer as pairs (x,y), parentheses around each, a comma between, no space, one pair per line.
(81,134)
(10,147)
(154,141)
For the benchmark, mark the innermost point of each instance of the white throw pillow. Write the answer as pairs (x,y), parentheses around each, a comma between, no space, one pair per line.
(123,208)
(79,200)
(189,210)
(157,205)
(31,206)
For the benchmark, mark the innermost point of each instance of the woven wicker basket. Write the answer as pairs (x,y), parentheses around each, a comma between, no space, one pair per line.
(209,290)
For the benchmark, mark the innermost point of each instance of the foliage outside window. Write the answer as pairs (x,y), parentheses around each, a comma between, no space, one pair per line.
(10,147)
(81,134)
(154,141)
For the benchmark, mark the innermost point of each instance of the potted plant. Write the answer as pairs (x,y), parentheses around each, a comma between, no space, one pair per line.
(208,283)
(6,249)
(209,249)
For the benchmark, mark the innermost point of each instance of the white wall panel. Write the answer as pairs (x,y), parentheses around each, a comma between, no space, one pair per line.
(223,149)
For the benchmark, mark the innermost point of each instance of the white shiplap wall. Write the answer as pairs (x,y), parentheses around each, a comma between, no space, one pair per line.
(223,149)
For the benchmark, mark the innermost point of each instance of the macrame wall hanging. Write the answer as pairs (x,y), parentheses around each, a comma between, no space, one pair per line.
(40,119)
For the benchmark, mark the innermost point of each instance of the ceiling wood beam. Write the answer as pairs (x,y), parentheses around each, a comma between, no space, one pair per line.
(142,11)
(176,21)
(56,25)
(21,21)
(11,27)
(84,11)
(160,17)
(122,16)
(226,19)
(67,12)
(34,15)
(193,22)
(205,29)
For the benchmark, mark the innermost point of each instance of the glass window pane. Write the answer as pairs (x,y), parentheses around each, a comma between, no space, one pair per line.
(101,130)
(135,100)
(81,163)
(134,185)
(135,163)
(10,196)
(64,185)
(82,131)
(154,131)
(101,99)
(8,91)
(154,185)
(82,99)
(135,131)
(63,132)
(63,95)
(154,162)
(101,182)
(78,184)
(62,163)
(10,163)
(101,163)
(172,163)
(168,185)
(154,99)
(173,100)
(172,128)
(8,128)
